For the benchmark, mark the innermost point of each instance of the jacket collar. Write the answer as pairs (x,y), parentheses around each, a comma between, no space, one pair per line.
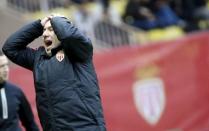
(2,84)
(54,51)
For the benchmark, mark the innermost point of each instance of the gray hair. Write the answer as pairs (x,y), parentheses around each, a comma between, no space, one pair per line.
(1,53)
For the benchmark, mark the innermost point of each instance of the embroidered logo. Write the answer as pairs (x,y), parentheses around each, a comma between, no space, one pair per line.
(60,56)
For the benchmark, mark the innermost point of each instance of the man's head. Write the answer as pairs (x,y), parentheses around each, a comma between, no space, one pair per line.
(50,39)
(4,68)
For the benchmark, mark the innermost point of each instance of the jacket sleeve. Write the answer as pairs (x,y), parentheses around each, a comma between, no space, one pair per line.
(75,44)
(15,47)
(26,114)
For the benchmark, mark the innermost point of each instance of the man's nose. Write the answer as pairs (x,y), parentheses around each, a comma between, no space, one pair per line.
(45,34)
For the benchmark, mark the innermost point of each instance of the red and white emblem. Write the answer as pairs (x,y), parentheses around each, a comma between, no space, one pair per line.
(60,56)
(149,98)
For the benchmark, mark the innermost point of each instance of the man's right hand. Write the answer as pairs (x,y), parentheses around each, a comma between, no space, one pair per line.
(45,20)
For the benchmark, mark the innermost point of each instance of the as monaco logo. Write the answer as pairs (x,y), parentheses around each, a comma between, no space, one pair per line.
(149,98)
(60,56)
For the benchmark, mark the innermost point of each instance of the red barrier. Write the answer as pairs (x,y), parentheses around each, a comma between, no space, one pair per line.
(160,87)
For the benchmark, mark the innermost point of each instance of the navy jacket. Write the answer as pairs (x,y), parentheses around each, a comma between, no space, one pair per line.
(14,107)
(67,91)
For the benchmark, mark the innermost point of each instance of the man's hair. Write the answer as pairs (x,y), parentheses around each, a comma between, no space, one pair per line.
(1,53)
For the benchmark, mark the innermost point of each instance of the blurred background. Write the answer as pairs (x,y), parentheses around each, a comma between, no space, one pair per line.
(151,57)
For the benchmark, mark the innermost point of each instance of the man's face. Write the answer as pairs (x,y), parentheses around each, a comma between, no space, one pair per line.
(50,38)
(4,69)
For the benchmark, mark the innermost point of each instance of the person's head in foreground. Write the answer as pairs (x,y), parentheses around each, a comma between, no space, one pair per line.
(4,68)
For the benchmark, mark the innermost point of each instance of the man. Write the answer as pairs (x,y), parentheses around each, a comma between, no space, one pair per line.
(67,90)
(13,103)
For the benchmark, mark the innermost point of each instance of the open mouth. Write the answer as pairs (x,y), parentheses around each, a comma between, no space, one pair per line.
(48,43)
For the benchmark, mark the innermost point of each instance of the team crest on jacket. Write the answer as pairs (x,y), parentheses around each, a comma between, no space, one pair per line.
(149,99)
(60,56)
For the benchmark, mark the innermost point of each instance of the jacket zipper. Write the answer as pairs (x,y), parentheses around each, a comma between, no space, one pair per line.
(4,104)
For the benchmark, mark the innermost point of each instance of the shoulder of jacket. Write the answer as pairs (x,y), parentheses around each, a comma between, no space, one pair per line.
(12,86)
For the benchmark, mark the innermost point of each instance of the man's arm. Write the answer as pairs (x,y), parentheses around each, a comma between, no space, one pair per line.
(75,44)
(26,114)
(15,47)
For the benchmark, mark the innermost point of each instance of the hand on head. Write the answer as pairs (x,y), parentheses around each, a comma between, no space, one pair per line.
(49,17)
(45,20)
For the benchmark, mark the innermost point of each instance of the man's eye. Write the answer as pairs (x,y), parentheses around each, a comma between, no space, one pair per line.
(50,29)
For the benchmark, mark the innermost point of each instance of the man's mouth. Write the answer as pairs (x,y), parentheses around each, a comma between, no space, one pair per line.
(48,43)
